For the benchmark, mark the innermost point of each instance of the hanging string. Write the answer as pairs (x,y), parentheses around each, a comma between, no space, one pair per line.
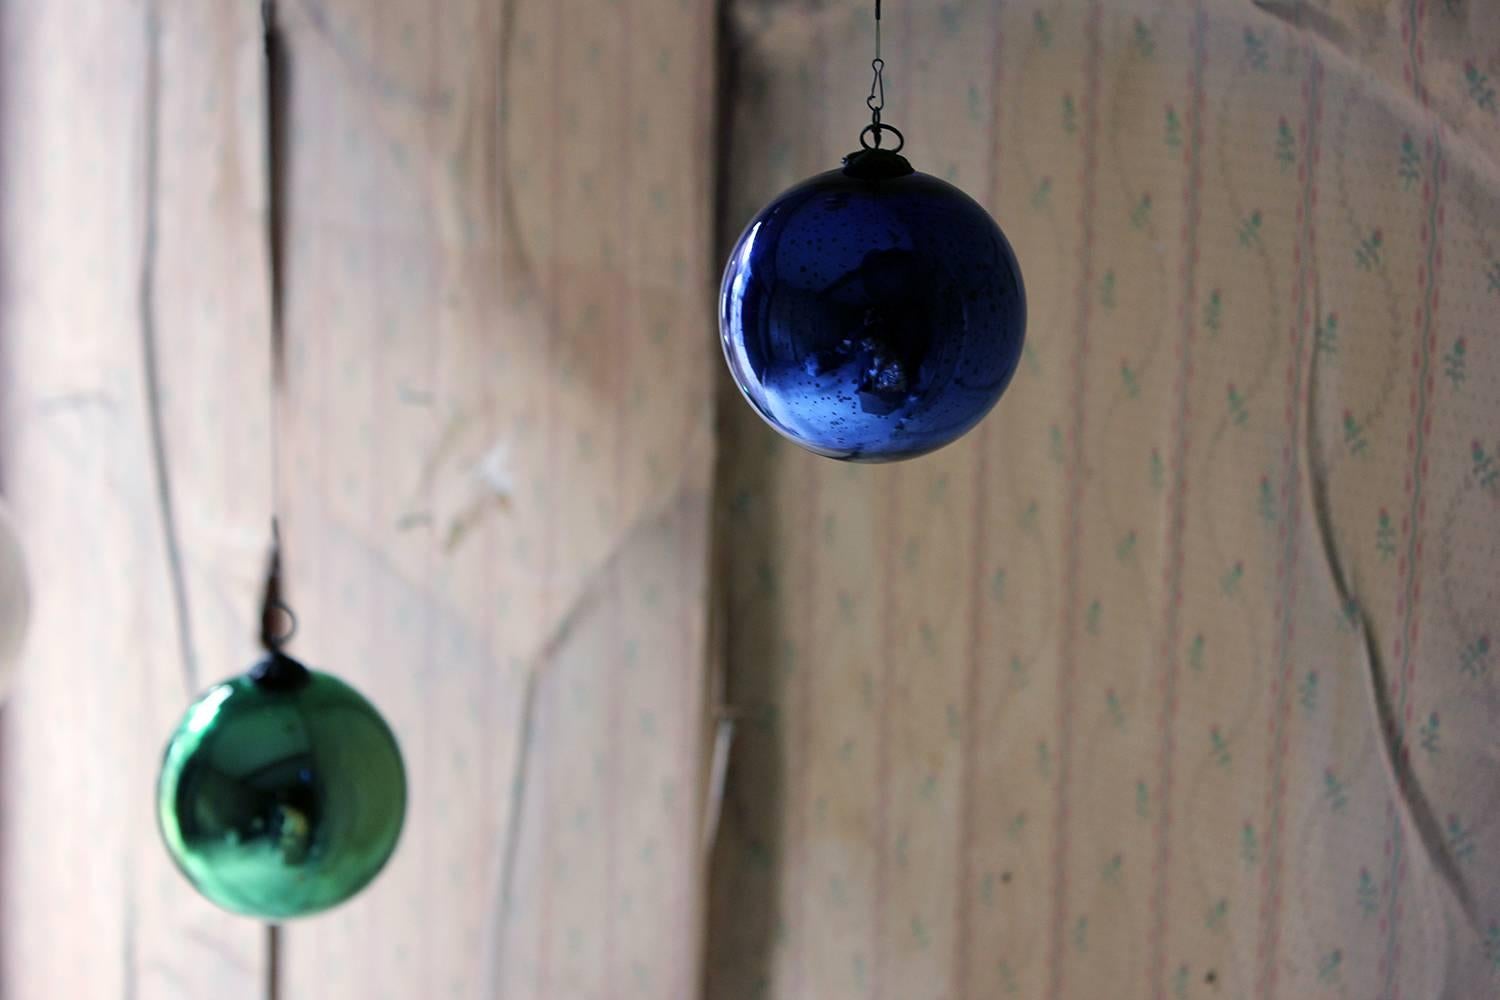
(876,101)
(277,623)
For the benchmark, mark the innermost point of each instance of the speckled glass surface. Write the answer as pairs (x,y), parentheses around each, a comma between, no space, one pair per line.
(872,318)
(279,803)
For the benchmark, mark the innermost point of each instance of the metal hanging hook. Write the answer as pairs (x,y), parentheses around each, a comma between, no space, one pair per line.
(273,609)
(876,100)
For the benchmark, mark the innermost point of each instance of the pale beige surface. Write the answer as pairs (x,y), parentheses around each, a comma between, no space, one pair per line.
(90,906)
(498,396)
(495,463)
(1174,679)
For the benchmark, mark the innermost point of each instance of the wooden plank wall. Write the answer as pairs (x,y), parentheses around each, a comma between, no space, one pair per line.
(106,247)
(494,462)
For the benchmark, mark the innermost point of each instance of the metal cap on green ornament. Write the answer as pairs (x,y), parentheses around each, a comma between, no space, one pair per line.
(282,792)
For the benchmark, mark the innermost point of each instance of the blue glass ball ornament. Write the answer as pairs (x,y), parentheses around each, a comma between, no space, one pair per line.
(872,313)
(282,792)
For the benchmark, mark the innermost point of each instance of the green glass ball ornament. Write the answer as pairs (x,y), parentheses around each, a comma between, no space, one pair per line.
(282,792)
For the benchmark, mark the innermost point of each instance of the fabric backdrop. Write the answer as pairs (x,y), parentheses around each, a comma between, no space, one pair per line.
(1174,678)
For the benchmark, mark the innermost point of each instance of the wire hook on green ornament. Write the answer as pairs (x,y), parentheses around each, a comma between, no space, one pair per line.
(282,791)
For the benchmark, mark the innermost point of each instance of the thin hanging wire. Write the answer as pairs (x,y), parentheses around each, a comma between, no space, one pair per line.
(277,622)
(876,100)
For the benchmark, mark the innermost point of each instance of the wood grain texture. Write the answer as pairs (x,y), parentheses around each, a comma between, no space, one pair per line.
(133,311)
(497,466)
(494,464)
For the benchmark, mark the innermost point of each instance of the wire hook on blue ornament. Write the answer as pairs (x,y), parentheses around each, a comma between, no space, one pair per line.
(873,313)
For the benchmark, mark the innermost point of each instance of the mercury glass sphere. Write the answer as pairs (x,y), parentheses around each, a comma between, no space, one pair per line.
(15,600)
(282,792)
(872,313)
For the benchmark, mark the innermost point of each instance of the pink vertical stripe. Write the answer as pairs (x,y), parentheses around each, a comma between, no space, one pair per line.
(889,609)
(1409,577)
(973,690)
(1291,473)
(1068,665)
(1177,514)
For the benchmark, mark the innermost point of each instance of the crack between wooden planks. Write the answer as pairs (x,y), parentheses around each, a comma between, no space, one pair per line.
(150,356)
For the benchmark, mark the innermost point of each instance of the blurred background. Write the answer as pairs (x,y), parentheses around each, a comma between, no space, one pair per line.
(1173,679)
